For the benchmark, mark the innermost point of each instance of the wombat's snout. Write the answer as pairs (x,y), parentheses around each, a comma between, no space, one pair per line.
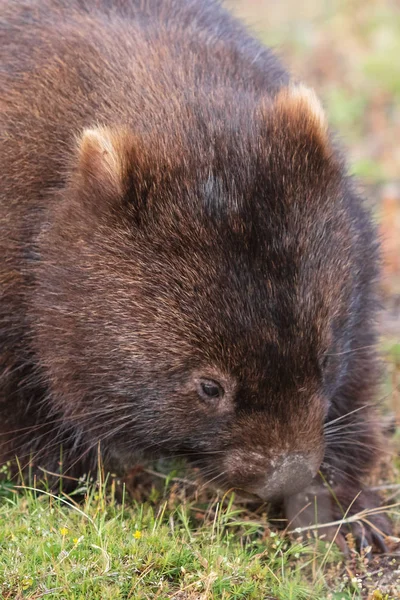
(288,475)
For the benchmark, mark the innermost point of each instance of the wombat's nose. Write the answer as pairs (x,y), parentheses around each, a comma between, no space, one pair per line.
(288,475)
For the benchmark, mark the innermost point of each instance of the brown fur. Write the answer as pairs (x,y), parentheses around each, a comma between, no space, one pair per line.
(172,210)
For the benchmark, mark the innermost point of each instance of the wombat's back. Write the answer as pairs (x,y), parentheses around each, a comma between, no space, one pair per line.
(70,65)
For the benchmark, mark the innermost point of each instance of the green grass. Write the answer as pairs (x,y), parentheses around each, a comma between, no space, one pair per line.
(173,549)
(173,545)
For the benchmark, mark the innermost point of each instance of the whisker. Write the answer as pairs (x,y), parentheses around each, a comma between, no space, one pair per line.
(341,417)
(337,444)
(346,431)
(209,481)
(353,350)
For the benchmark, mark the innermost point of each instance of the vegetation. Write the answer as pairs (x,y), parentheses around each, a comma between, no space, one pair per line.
(101,543)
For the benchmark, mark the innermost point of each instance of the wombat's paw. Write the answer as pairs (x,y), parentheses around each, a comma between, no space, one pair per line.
(334,513)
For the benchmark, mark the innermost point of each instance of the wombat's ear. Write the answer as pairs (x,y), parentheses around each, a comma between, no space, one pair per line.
(298,109)
(103,160)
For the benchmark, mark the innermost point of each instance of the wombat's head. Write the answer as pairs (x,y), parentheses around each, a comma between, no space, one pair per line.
(192,287)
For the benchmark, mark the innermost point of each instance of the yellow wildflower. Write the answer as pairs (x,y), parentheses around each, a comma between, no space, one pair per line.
(63,531)
(27,583)
(137,535)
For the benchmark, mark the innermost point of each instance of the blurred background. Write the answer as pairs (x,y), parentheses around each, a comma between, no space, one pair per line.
(349,51)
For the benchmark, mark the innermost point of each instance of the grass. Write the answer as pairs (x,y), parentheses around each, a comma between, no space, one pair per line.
(174,548)
(105,550)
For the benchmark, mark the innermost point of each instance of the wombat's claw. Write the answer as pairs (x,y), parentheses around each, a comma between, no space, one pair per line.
(367,539)
(366,542)
(318,505)
(365,547)
(379,542)
(372,533)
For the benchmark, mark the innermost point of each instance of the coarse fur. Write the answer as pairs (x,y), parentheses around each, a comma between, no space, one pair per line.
(173,211)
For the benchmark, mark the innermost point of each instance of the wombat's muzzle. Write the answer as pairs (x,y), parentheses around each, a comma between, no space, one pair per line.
(288,475)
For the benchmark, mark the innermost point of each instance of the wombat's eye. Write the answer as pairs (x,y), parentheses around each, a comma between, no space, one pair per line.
(209,390)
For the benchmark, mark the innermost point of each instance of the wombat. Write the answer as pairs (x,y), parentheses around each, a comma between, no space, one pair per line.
(186,267)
